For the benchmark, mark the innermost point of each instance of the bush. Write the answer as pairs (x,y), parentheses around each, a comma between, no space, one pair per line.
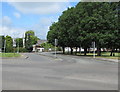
(21,49)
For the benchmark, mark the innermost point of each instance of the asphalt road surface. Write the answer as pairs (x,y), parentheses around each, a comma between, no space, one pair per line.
(38,72)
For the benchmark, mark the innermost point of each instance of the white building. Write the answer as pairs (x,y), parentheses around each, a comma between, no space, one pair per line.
(37,47)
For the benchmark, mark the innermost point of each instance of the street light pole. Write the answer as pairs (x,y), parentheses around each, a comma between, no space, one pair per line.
(18,46)
(55,48)
(4,45)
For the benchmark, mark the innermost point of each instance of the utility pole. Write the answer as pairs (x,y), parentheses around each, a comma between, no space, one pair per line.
(14,45)
(4,45)
(23,40)
(18,46)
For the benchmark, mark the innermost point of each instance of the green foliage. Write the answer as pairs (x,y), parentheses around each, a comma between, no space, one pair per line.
(85,23)
(9,44)
(21,49)
(2,40)
(30,40)
(9,55)
(19,42)
(46,46)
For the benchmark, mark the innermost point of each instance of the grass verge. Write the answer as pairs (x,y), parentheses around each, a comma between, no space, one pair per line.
(103,55)
(10,55)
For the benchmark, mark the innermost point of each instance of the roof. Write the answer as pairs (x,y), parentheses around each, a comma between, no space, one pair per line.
(39,42)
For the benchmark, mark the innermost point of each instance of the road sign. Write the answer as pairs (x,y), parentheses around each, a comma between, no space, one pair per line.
(56,42)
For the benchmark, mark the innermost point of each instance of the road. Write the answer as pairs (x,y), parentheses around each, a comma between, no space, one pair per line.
(66,72)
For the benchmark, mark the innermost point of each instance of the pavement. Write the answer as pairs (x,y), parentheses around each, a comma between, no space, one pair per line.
(35,71)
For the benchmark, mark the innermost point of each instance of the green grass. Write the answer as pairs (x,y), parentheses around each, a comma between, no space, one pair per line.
(9,55)
(103,55)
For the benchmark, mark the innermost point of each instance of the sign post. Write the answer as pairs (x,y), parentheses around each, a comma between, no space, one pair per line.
(94,49)
(18,47)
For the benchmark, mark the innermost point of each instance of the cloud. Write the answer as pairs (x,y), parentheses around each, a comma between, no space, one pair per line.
(42,27)
(44,0)
(13,32)
(6,20)
(7,29)
(17,15)
(39,7)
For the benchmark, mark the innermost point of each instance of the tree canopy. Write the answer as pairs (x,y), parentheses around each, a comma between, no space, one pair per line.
(85,23)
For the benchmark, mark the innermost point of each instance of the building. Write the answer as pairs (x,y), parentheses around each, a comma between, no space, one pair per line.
(37,47)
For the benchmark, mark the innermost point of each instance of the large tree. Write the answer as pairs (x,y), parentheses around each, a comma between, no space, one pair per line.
(88,22)
(30,40)
(97,20)
(9,44)
(19,42)
(2,40)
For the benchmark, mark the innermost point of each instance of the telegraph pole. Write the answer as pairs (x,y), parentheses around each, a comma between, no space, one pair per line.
(4,45)
(18,46)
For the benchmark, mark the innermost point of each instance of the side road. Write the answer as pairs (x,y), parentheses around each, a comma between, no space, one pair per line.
(59,55)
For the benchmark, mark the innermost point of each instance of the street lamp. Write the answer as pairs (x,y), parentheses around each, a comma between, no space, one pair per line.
(18,46)
(4,45)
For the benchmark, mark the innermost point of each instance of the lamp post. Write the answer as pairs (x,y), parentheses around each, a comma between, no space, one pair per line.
(14,45)
(4,45)
(18,46)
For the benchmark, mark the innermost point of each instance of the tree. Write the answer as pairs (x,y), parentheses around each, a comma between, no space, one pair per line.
(68,31)
(99,20)
(85,23)
(2,40)
(30,40)
(53,33)
(19,42)
(9,44)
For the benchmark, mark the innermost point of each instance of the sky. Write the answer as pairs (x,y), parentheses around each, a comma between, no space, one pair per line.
(18,17)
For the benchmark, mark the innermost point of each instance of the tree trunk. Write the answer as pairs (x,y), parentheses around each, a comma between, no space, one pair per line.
(71,50)
(85,51)
(63,50)
(111,54)
(68,50)
(76,51)
(98,51)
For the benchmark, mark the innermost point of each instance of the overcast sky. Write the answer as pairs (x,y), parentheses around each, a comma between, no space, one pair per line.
(18,17)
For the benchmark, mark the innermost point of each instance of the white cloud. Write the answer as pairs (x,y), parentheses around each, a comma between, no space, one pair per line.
(7,29)
(39,7)
(14,32)
(17,15)
(40,0)
(6,20)
(42,27)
